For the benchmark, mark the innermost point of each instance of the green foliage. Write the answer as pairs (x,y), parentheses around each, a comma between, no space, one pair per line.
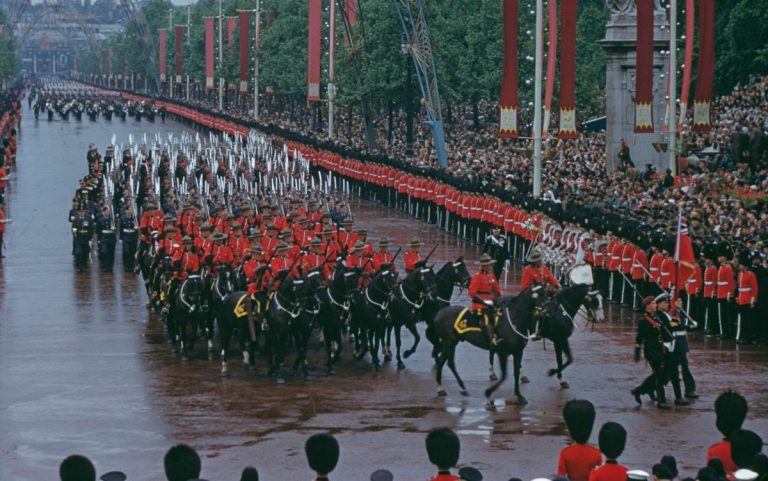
(741,42)
(9,58)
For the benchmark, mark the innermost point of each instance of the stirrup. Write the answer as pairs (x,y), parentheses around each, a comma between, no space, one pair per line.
(495,341)
(264,326)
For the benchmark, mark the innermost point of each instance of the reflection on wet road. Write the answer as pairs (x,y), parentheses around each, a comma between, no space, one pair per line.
(84,368)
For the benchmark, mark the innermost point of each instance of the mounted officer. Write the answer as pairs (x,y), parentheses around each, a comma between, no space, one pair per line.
(484,291)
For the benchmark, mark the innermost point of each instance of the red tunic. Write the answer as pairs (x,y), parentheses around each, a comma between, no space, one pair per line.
(747,288)
(725,282)
(639,265)
(411,258)
(722,451)
(380,258)
(485,287)
(577,461)
(186,263)
(655,266)
(537,275)
(710,281)
(667,273)
(610,471)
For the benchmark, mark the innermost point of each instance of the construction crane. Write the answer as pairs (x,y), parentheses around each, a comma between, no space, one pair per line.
(419,47)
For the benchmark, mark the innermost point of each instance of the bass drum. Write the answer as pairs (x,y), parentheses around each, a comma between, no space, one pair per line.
(581,275)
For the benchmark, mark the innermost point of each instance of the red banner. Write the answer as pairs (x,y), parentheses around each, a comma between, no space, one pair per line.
(244,60)
(644,68)
(350,12)
(74,63)
(508,94)
(690,29)
(162,56)
(209,53)
(568,12)
(551,64)
(109,62)
(313,60)
(230,40)
(179,52)
(103,62)
(706,69)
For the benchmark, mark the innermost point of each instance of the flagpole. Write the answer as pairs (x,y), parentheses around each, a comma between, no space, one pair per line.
(189,26)
(221,58)
(257,23)
(677,250)
(672,121)
(331,68)
(537,101)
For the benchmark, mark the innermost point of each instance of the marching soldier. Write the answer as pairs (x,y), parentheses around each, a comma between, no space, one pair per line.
(709,291)
(107,240)
(650,338)
(672,348)
(496,247)
(129,237)
(82,229)
(484,292)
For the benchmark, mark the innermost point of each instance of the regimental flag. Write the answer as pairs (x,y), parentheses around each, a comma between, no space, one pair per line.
(568,12)
(644,68)
(209,70)
(706,68)
(163,66)
(684,258)
(508,95)
(244,63)
(313,50)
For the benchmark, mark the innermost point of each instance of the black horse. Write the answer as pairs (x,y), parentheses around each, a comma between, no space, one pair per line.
(406,308)
(452,274)
(220,286)
(370,313)
(516,326)
(284,308)
(186,313)
(334,304)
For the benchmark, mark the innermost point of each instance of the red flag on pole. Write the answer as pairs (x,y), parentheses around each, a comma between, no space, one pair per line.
(706,69)
(508,94)
(103,62)
(350,12)
(690,29)
(684,258)
(313,50)
(109,60)
(244,58)
(179,52)
(568,11)
(162,56)
(209,54)
(551,65)
(644,68)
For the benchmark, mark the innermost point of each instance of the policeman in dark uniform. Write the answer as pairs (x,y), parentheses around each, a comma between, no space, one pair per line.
(129,235)
(651,334)
(82,229)
(107,240)
(496,247)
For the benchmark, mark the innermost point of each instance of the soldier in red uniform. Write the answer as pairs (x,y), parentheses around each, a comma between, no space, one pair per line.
(654,270)
(730,413)
(615,250)
(578,460)
(253,270)
(151,222)
(484,292)
(346,237)
(280,263)
(382,256)
(726,286)
(238,243)
(185,263)
(638,273)
(627,289)
(412,256)
(314,259)
(221,254)
(709,292)
(535,273)
(443,448)
(612,439)
(746,300)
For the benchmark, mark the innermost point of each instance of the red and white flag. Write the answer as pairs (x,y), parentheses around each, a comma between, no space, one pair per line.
(684,258)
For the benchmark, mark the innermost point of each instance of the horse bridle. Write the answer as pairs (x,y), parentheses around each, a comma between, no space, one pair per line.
(590,312)
(536,315)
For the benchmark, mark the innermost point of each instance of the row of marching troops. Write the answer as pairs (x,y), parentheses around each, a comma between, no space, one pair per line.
(727,295)
(10,116)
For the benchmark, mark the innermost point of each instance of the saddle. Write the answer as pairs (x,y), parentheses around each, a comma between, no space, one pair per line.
(469,321)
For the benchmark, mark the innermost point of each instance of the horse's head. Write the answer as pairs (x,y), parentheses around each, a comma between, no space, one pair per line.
(422,280)
(314,279)
(386,279)
(461,273)
(345,280)
(573,298)
(297,288)
(193,289)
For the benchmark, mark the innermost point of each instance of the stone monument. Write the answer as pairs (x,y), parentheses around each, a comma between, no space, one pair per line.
(620,49)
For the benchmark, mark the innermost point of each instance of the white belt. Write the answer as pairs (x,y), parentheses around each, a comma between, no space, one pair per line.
(745,289)
(679,333)
(722,283)
(708,283)
(635,266)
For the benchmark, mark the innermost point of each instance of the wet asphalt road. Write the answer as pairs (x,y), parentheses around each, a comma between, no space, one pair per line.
(85,369)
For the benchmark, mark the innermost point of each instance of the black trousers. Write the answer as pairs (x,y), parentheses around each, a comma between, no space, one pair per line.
(655,382)
(745,330)
(672,371)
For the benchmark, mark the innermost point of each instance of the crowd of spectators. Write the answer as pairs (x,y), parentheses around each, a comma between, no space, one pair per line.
(737,457)
(10,115)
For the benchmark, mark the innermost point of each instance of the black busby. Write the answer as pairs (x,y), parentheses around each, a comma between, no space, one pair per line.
(249,474)
(745,445)
(730,412)
(443,448)
(322,453)
(579,415)
(612,439)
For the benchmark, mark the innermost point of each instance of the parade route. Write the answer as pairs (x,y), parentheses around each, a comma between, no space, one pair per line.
(84,367)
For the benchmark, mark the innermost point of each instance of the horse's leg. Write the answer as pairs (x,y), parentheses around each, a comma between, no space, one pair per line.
(225,334)
(439,363)
(503,364)
(398,344)
(560,349)
(375,338)
(491,372)
(452,366)
(387,343)
(411,326)
(280,357)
